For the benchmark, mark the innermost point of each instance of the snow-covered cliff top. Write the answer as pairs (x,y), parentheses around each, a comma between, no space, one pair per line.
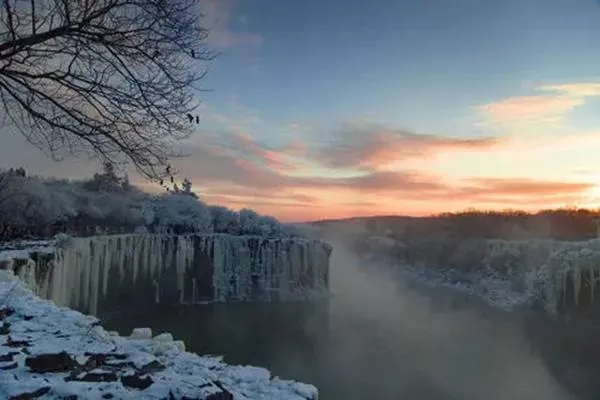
(50,353)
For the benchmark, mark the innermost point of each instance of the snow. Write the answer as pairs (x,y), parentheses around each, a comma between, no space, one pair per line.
(49,329)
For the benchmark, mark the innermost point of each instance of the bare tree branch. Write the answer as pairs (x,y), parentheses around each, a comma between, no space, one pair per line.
(113,78)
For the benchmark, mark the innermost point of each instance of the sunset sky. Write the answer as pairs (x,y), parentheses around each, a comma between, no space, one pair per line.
(326,109)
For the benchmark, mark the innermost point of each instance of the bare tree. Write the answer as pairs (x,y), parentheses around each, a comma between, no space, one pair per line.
(113,78)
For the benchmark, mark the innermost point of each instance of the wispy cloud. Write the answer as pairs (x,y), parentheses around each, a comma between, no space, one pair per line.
(371,146)
(218,16)
(523,187)
(575,89)
(551,106)
(532,109)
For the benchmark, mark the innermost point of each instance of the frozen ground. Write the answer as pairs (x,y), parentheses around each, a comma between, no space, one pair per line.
(48,352)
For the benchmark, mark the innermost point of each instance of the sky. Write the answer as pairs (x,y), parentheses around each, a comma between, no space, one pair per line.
(328,109)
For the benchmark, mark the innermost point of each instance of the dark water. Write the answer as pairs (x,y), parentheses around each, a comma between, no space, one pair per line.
(478,355)
(382,339)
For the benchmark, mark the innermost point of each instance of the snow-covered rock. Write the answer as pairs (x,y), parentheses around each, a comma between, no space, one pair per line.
(141,333)
(57,353)
(163,337)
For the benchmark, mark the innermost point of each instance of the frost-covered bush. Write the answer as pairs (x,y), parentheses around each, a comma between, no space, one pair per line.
(179,213)
(43,207)
(225,220)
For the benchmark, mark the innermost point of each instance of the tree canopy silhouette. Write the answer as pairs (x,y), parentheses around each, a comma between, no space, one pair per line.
(112,78)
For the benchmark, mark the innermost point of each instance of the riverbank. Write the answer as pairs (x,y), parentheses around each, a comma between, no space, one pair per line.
(49,352)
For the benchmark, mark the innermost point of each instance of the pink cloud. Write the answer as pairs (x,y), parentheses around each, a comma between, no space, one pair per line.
(369,146)
(585,89)
(540,108)
(529,108)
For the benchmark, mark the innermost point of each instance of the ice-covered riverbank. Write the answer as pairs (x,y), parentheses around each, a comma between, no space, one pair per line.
(48,352)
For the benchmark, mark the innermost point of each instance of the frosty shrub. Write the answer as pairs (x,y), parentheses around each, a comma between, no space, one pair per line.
(178,213)
(32,206)
(225,220)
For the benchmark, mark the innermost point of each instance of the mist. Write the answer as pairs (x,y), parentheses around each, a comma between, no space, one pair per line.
(389,340)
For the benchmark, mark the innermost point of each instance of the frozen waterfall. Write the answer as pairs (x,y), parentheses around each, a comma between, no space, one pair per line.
(105,272)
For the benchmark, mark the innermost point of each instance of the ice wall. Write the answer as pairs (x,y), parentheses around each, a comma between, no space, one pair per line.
(106,273)
(566,275)
(563,276)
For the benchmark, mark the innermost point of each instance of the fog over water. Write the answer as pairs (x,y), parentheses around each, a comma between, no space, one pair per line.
(377,338)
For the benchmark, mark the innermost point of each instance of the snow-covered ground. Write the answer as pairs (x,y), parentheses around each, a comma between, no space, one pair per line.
(48,352)
(22,249)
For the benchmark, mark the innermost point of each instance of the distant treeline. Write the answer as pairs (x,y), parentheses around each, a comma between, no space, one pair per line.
(34,207)
(559,224)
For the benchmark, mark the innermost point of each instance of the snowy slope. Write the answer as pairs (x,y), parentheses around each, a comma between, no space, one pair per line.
(49,352)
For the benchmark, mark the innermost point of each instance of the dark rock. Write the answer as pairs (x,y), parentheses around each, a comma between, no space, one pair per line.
(5,328)
(95,360)
(105,360)
(153,366)
(118,356)
(51,362)
(32,395)
(6,312)
(9,366)
(104,376)
(27,317)
(122,365)
(16,343)
(8,356)
(108,396)
(224,394)
(137,381)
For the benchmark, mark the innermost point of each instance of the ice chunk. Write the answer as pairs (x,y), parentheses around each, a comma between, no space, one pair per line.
(163,337)
(141,333)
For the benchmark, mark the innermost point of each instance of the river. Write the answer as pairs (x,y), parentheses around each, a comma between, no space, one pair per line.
(383,338)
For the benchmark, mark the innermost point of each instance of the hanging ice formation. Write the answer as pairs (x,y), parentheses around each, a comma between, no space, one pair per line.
(565,275)
(184,269)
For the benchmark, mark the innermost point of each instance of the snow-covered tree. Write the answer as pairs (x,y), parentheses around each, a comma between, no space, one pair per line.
(44,207)
(180,213)
(116,78)
(225,220)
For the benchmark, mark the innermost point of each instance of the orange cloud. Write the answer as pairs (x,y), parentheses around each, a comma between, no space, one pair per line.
(369,146)
(540,108)
(529,108)
(526,187)
(587,89)
(238,171)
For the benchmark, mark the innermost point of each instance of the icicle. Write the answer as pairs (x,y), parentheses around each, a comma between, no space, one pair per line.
(107,255)
(576,278)
(156,291)
(94,282)
(592,279)
(193,290)
(134,260)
